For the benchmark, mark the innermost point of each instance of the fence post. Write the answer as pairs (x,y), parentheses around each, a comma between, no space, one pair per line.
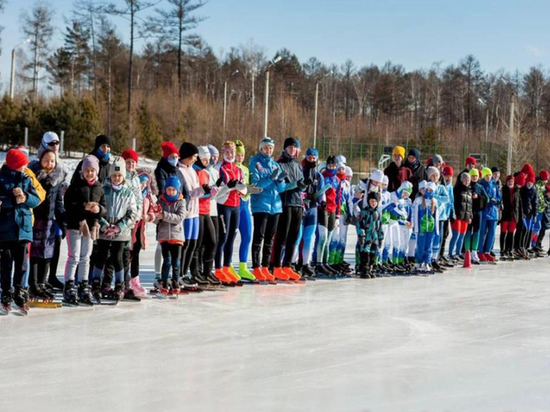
(26,141)
(61,141)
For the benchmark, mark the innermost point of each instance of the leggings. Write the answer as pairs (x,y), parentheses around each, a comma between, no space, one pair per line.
(39,269)
(288,228)
(459,228)
(438,239)
(116,258)
(487,235)
(471,240)
(507,230)
(245,229)
(327,223)
(229,217)
(265,226)
(338,244)
(54,261)
(206,246)
(13,255)
(444,237)
(308,234)
(170,260)
(191,230)
(134,266)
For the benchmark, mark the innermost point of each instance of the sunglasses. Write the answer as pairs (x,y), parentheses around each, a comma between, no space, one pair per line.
(56,143)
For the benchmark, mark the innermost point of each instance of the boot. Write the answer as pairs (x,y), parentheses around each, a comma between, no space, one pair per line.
(268,276)
(259,275)
(231,273)
(280,275)
(246,274)
(135,285)
(84,295)
(69,293)
(222,277)
(292,275)
(96,290)
(118,292)
(308,272)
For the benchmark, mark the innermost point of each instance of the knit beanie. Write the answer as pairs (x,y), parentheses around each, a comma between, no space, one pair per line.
(432,171)
(90,161)
(385,180)
(213,151)
(373,195)
(188,150)
(520,180)
(495,169)
(399,150)
(266,141)
(168,149)
(349,172)
(544,175)
(239,147)
(143,177)
(377,175)
(291,141)
(471,161)
(101,139)
(508,178)
(341,159)
(415,152)
(437,158)
(312,151)
(527,168)
(422,185)
(204,153)
(118,166)
(16,159)
(431,185)
(530,178)
(474,172)
(331,160)
(172,181)
(486,172)
(405,187)
(448,171)
(130,154)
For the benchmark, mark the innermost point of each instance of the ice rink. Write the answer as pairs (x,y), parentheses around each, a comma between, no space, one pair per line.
(467,340)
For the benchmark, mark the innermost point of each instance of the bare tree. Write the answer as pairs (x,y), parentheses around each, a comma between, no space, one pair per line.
(38,27)
(172,24)
(2,4)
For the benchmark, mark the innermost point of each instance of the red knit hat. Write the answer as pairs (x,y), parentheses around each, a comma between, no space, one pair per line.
(544,175)
(15,159)
(531,178)
(168,148)
(527,169)
(508,178)
(471,161)
(520,179)
(130,154)
(448,171)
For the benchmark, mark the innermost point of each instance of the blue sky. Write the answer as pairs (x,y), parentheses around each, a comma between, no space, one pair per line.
(506,34)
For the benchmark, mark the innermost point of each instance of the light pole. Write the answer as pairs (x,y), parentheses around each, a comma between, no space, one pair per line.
(12,79)
(484,104)
(510,136)
(266,108)
(315,118)
(225,100)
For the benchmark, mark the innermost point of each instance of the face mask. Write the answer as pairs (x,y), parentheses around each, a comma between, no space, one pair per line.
(173,161)
(331,172)
(373,189)
(429,195)
(171,198)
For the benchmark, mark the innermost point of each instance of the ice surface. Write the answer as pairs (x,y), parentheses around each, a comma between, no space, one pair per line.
(467,340)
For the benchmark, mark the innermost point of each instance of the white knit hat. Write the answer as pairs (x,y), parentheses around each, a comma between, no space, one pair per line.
(341,159)
(349,172)
(204,153)
(377,176)
(385,180)
(422,185)
(432,186)
(432,171)
(118,166)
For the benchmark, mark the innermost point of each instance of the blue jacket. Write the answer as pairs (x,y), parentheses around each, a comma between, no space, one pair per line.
(16,219)
(261,169)
(491,210)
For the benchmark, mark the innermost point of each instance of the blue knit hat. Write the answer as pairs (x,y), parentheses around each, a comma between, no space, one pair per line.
(173,181)
(312,151)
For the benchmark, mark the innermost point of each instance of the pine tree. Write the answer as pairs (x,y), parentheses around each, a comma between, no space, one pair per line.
(148,132)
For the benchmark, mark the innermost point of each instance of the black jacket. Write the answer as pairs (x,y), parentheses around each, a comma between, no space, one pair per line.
(78,194)
(293,170)
(163,171)
(463,202)
(529,201)
(511,204)
(418,174)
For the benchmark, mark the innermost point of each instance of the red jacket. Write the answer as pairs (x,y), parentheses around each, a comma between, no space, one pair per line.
(204,202)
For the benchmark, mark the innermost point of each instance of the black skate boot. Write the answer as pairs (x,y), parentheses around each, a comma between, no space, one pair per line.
(96,291)
(69,293)
(189,285)
(107,291)
(55,283)
(20,299)
(308,272)
(199,280)
(84,295)
(5,304)
(129,293)
(39,293)
(118,292)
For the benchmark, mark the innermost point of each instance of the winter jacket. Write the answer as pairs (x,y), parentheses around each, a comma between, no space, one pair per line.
(369,229)
(104,170)
(491,210)
(346,201)
(400,210)
(230,171)
(78,194)
(122,211)
(443,199)
(418,171)
(315,190)
(480,202)
(540,186)
(529,201)
(149,209)
(332,182)
(269,200)
(41,193)
(195,190)
(385,200)
(16,219)
(397,175)
(423,219)
(545,223)
(292,196)
(132,181)
(163,171)
(44,229)
(363,187)
(511,203)
(448,211)
(170,227)
(463,202)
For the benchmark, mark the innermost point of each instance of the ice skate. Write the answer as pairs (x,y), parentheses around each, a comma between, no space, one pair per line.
(84,294)
(270,279)
(293,276)
(118,292)
(5,304)
(139,290)
(69,294)
(246,275)
(20,298)
(96,291)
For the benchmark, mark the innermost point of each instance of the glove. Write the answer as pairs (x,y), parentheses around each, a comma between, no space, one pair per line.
(219,182)
(282,177)
(232,183)
(300,184)
(308,182)
(206,189)
(275,174)
(323,205)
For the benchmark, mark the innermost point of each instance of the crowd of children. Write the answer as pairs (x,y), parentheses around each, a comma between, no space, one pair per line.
(293,214)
